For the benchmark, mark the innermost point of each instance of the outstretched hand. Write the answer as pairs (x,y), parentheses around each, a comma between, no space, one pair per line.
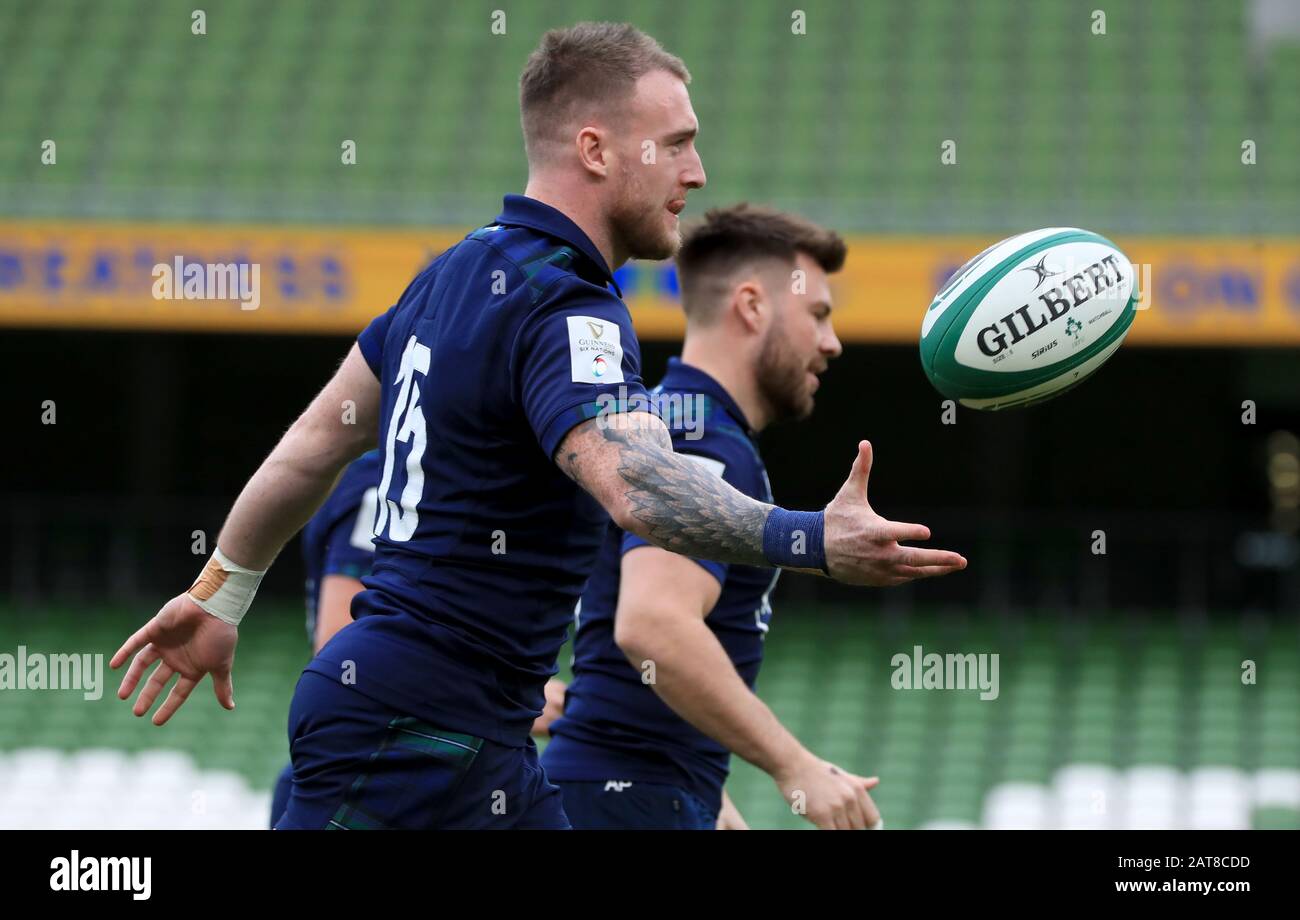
(190,642)
(863,548)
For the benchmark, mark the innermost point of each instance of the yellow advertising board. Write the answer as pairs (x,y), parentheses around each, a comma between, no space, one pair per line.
(1195,291)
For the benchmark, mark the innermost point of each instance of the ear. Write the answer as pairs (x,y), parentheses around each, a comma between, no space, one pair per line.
(750,304)
(593,150)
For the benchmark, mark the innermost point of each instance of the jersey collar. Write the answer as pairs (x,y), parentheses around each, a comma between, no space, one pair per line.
(522,211)
(689,379)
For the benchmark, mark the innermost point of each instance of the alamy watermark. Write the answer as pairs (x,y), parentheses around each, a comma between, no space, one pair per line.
(931,671)
(679,411)
(39,671)
(181,280)
(75,872)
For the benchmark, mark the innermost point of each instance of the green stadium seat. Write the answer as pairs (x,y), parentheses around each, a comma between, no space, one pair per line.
(1157,105)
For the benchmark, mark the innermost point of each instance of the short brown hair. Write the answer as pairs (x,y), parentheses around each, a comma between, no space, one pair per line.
(728,238)
(597,62)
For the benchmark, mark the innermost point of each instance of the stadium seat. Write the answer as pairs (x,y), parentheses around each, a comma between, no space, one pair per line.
(143,111)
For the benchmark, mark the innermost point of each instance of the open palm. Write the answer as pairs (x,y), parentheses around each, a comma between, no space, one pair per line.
(190,642)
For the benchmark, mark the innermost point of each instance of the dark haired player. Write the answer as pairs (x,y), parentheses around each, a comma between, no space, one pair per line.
(668,647)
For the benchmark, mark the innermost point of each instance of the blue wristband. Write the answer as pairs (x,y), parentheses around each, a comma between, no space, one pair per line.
(794,539)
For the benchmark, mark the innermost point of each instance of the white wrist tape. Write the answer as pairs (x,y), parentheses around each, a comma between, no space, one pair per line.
(225,589)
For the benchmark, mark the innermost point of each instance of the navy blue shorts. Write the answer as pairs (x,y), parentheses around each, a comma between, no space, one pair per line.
(358,764)
(280,795)
(615,805)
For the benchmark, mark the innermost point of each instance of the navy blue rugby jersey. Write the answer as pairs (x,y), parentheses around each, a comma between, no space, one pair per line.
(483,546)
(615,727)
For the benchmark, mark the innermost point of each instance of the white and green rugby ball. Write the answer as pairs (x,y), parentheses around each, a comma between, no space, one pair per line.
(1028,318)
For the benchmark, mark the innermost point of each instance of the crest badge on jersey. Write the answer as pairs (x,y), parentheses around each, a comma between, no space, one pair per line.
(595,350)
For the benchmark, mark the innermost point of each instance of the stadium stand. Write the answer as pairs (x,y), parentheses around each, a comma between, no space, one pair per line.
(1108,725)
(1125,130)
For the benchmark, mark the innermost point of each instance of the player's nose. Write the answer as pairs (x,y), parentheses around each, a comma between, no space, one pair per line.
(831,346)
(694,176)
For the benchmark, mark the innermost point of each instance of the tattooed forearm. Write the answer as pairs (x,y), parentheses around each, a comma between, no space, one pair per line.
(674,502)
(684,507)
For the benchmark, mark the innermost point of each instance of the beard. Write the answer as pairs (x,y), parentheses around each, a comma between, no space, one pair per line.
(781,378)
(638,226)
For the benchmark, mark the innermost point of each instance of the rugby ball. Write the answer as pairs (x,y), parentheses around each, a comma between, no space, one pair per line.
(1028,318)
